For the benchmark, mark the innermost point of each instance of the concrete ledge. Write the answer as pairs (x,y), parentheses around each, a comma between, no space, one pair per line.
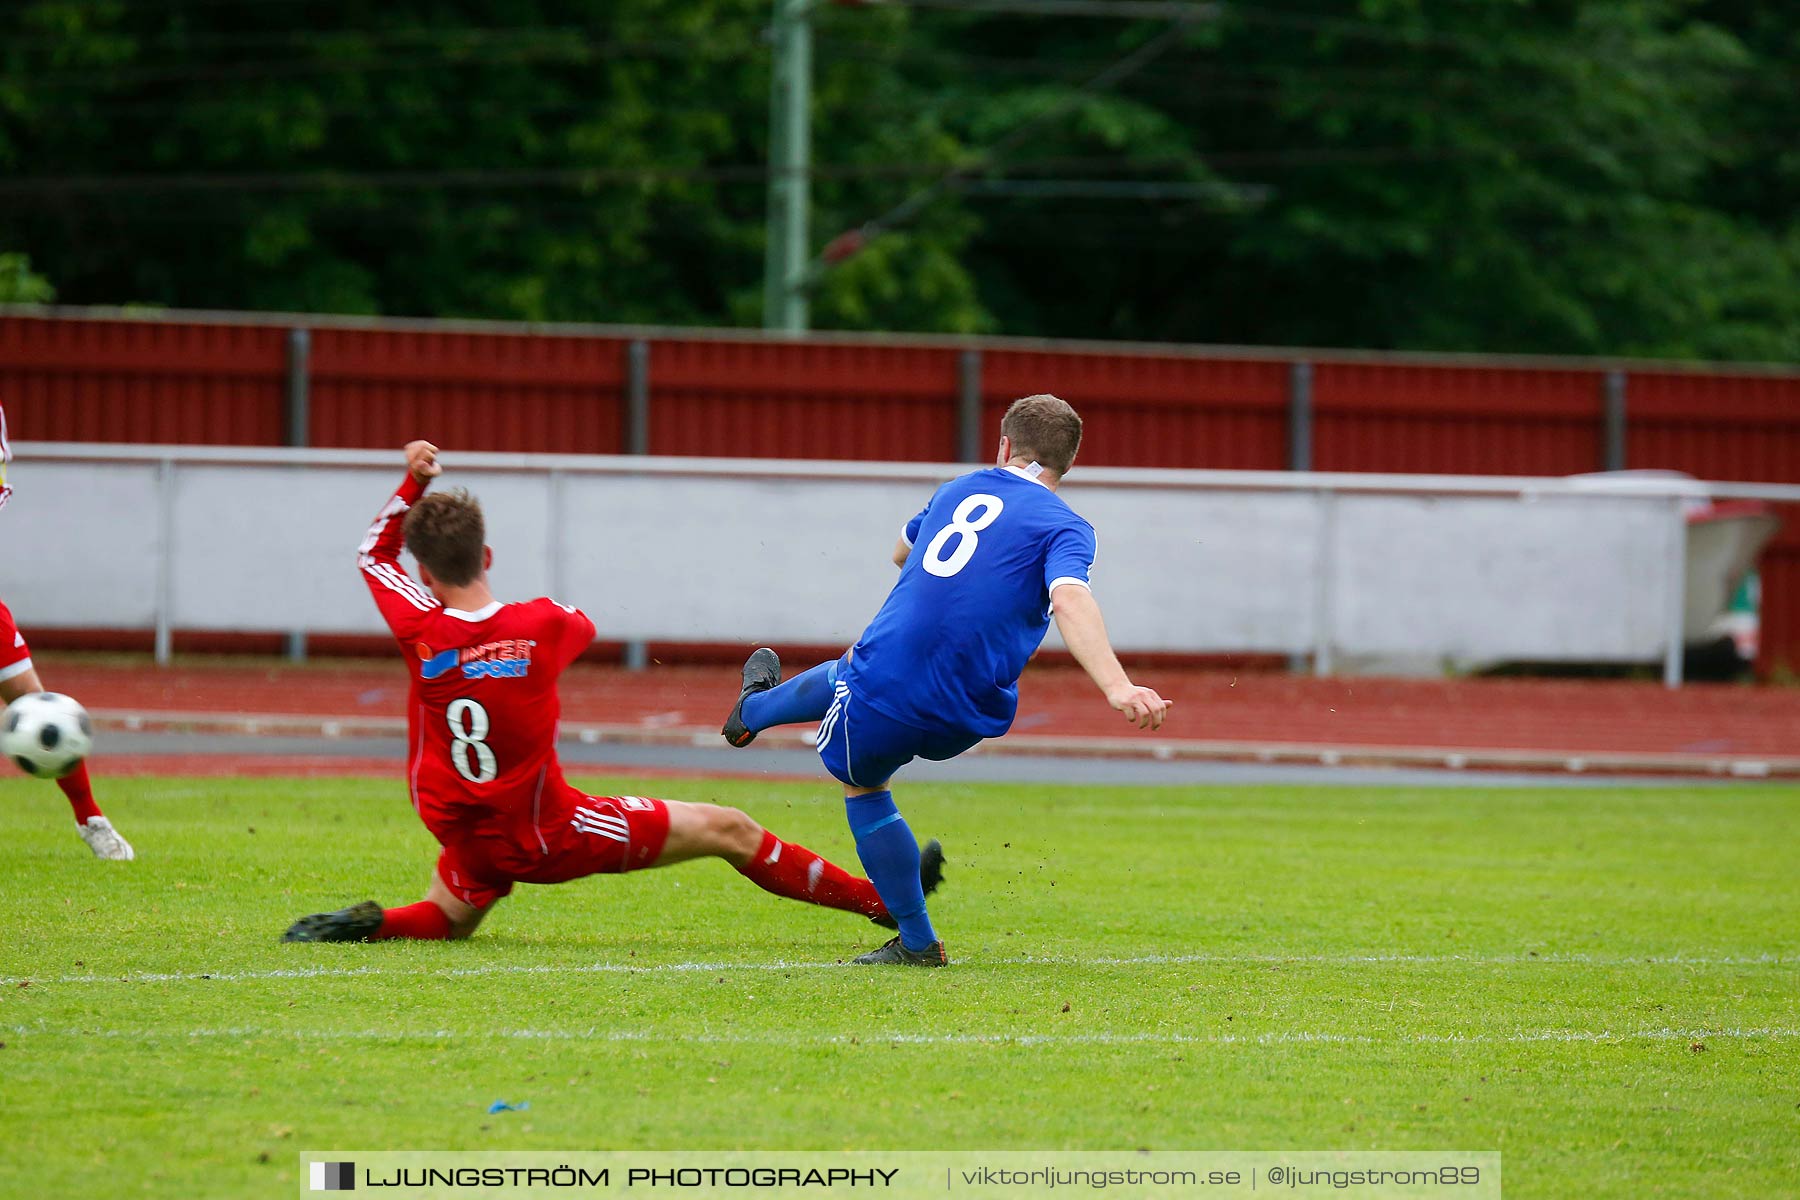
(1548,760)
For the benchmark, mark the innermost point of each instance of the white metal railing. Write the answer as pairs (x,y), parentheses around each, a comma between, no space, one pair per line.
(669,465)
(716,549)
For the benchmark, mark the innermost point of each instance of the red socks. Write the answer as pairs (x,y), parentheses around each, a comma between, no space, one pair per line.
(80,791)
(424,921)
(794,871)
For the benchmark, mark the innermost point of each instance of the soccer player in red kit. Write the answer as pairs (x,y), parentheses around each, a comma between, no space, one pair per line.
(19,678)
(481,734)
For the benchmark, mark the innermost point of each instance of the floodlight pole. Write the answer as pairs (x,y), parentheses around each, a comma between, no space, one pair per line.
(790,153)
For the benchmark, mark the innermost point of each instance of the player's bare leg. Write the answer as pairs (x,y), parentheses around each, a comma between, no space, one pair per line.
(92,824)
(462,916)
(695,831)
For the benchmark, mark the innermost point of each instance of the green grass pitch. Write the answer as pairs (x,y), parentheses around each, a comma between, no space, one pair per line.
(1602,984)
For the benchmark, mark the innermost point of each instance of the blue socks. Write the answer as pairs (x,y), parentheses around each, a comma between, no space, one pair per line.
(805,697)
(890,855)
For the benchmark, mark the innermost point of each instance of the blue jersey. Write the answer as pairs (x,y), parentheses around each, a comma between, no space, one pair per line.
(972,605)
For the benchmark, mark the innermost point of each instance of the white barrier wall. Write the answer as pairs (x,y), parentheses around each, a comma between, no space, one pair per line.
(723,551)
(1475,578)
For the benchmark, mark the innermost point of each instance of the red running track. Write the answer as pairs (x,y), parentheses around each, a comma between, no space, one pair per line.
(1572,716)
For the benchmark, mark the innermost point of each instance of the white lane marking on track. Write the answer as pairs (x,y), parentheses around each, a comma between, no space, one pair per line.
(594,1034)
(1149,960)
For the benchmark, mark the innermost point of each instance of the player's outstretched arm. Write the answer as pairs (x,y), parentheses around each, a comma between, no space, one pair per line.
(399,597)
(1084,631)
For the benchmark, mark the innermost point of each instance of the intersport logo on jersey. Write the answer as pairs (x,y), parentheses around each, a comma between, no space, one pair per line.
(509,659)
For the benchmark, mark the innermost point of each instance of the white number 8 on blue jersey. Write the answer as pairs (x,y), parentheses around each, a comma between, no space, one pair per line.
(964,530)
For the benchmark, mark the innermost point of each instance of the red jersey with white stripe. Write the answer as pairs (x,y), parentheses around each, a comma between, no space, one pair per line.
(5,457)
(15,655)
(481,723)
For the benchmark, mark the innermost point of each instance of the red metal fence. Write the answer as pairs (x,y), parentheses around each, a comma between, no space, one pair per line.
(142,381)
(251,380)
(795,399)
(370,387)
(1458,420)
(1152,410)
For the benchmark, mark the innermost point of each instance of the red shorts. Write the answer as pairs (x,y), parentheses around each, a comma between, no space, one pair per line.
(15,655)
(588,835)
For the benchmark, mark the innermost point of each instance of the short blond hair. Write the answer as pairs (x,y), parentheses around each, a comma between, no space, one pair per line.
(1044,428)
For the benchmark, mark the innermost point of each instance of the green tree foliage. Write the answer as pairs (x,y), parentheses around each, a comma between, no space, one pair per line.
(20,285)
(1490,174)
(1574,176)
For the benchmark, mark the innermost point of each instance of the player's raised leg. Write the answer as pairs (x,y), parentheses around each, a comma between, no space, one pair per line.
(21,679)
(765,702)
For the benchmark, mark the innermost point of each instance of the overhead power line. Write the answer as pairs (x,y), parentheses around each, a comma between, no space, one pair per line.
(151,5)
(1179,10)
(455,36)
(477,178)
(1104,175)
(448,55)
(451,179)
(1118,10)
(1115,189)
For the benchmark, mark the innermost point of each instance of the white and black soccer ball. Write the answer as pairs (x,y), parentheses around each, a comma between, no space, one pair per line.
(46,734)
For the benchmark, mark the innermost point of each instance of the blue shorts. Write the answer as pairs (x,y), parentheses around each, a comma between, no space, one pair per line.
(863,748)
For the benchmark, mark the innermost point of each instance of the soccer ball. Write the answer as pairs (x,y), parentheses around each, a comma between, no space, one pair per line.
(46,733)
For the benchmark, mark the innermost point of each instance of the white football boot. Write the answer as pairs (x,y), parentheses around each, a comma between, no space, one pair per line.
(105,841)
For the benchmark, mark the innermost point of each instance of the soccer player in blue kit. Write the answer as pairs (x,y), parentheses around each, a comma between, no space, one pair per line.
(983,568)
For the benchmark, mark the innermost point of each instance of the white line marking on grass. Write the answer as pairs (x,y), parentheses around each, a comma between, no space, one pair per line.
(438,972)
(594,1034)
(1149,960)
(1594,960)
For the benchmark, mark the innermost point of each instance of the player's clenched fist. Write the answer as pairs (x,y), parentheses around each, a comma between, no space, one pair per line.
(421,460)
(1141,705)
